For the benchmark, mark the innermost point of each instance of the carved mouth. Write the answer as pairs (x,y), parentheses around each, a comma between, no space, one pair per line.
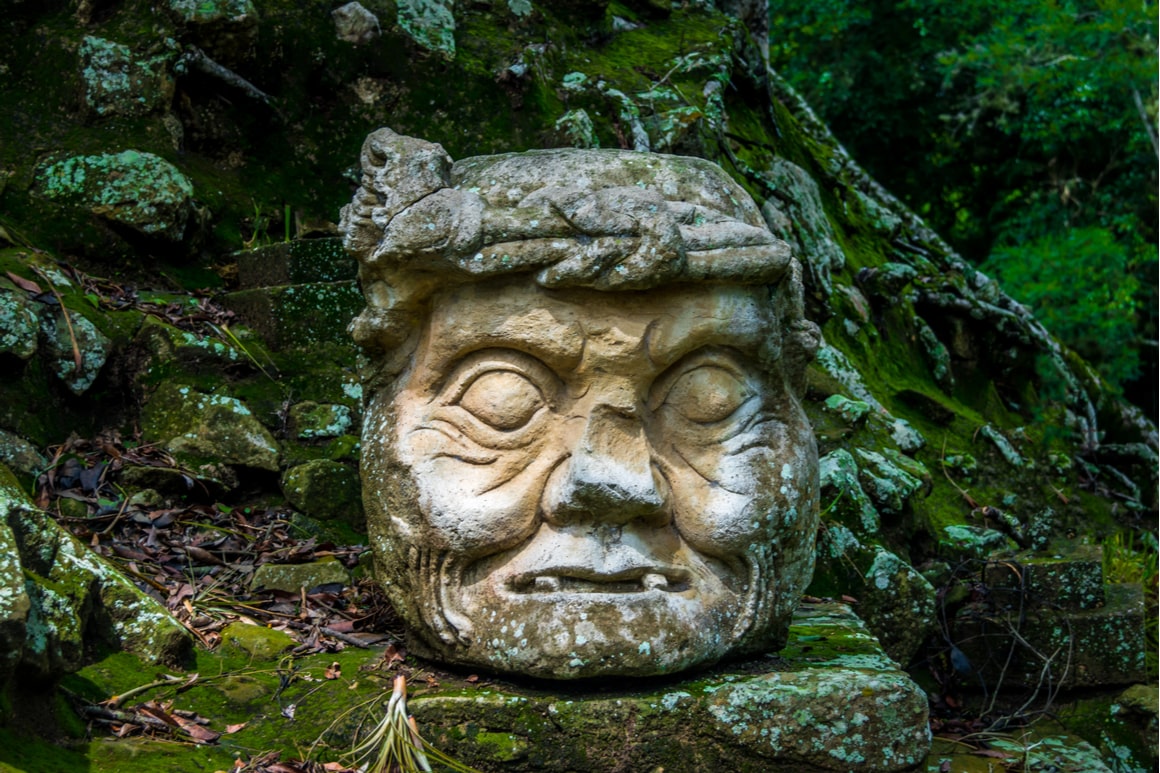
(586,581)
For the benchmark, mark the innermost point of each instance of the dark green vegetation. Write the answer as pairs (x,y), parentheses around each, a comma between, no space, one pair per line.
(1024,132)
(955,432)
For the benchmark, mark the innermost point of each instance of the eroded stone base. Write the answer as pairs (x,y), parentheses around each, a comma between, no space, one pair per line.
(832,700)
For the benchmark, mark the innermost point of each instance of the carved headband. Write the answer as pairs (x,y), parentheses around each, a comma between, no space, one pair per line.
(601,219)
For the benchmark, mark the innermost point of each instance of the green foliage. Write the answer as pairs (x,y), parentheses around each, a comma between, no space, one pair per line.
(1078,284)
(1007,124)
(1132,558)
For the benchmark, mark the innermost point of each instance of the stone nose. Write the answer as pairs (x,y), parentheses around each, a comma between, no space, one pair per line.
(609,477)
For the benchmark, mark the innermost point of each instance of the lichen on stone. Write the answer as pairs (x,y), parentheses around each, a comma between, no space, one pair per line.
(430,23)
(118,83)
(140,190)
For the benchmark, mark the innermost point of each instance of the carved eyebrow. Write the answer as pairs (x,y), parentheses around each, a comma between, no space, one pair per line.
(669,338)
(557,343)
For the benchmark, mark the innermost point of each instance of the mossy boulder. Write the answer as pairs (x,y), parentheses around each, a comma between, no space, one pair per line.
(14,602)
(202,429)
(20,455)
(68,601)
(119,83)
(430,23)
(19,324)
(313,421)
(896,601)
(169,349)
(136,189)
(256,641)
(74,348)
(355,24)
(325,490)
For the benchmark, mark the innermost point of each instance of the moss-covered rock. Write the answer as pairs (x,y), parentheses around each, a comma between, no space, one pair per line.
(430,23)
(170,350)
(21,456)
(72,600)
(140,190)
(297,577)
(326,490)
(355,24)
(843,497)
(18,324)
(314,421)
(256,641)
(75,349)
(14,602)
(1017,636)
(299,315)
(118,83)
(895,600)
(204,429)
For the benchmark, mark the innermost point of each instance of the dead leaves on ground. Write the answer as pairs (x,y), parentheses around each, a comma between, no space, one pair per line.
(198,559)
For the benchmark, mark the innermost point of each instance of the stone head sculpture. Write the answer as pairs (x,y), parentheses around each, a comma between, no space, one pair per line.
(584,451)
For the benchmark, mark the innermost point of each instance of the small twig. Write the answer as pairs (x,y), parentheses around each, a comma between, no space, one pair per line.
(1147,123)
(118,700)
(346,638)
(101,712)
(67,319)
(942,463)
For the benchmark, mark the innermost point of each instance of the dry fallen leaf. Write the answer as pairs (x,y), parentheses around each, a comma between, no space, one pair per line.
(24,284)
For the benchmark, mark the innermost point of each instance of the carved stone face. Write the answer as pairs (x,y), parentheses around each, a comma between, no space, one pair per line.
(568,483)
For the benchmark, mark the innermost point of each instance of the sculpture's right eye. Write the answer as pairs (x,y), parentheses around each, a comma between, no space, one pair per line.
(502,399)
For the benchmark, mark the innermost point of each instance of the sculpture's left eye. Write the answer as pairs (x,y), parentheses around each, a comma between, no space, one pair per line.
(707,394)
(502,399)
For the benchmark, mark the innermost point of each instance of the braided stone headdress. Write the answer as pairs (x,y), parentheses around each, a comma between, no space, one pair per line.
(607,220)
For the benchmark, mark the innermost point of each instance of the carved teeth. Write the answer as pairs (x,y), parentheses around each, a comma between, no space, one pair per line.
(654,581)
(546,584)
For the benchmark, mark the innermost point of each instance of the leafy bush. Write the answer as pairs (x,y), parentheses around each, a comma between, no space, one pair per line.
(1079,286)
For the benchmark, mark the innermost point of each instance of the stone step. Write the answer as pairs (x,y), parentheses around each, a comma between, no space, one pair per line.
(1070,579)
(298,262)
(1061,647)
(296,315)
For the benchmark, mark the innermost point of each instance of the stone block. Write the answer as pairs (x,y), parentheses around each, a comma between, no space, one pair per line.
(294,577)
(832,700)
(296,262)
(1071,580)
(1071,648)
(299,315)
